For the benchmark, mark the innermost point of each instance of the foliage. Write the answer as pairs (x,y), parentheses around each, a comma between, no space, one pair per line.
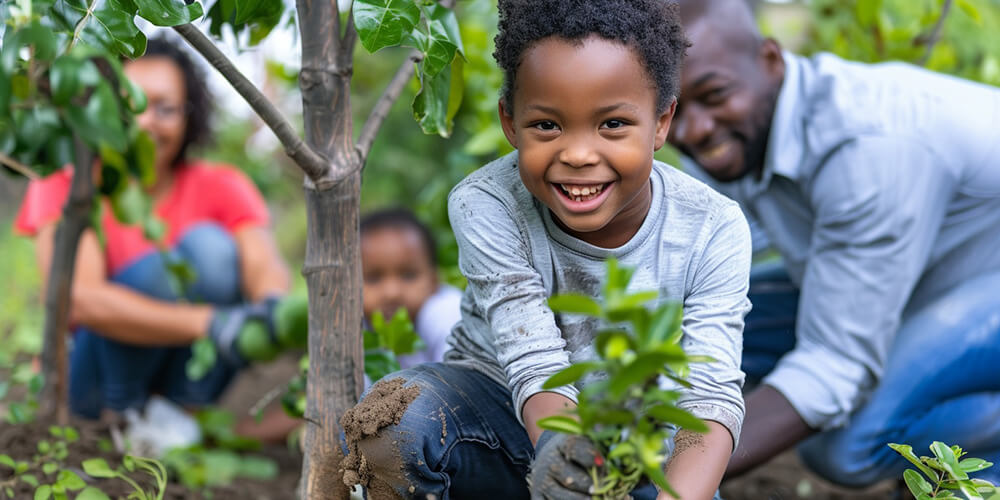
(967,44)
(948,472)
(50,476)
(383,343)
(622,407)
(99,468)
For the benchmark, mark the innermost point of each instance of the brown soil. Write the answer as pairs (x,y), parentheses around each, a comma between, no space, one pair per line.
(786,478)
(383,406)
(21,442)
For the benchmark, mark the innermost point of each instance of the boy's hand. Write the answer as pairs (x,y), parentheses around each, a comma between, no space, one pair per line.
(561,469)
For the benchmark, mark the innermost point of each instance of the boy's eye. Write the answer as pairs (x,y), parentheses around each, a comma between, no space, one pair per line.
(613,124)
(545,125)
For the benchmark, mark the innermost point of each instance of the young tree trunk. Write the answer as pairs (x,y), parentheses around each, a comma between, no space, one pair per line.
(76,218)
(332,265)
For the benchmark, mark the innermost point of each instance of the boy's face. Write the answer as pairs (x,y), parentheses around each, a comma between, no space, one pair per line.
(585,125)
(397,271)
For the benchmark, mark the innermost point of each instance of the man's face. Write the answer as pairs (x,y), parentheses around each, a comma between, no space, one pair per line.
(585,125)
(727,101)
(397,271)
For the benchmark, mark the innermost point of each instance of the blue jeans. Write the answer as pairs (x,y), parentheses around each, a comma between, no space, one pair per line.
(107,374)
(941,381)
(479,451)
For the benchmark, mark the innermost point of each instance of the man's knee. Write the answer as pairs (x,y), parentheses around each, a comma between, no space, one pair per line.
(846,463)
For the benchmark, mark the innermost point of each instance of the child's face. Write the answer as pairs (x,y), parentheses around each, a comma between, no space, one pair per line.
(397,271)
(585,124)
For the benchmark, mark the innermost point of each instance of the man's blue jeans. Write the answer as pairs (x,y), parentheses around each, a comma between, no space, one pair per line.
(480,450)
(941,381)
(107,374)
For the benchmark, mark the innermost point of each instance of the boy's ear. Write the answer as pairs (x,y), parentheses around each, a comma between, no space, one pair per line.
(663,124)
(507,123)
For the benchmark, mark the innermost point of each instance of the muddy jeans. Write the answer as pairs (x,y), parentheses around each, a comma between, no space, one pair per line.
(105,373)
(459,439)
(941,381)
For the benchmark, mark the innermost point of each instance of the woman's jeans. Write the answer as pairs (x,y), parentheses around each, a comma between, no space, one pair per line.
(941,381)
(107,374)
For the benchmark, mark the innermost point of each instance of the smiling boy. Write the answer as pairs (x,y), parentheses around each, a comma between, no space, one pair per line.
(588,97)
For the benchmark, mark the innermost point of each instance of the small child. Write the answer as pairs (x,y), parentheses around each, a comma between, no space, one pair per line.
(399,268)
(589,93)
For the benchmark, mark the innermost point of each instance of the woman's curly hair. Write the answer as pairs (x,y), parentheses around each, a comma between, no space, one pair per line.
(650,27)
(198,107)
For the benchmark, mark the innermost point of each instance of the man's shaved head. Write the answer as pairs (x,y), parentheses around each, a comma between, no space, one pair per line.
(729,88)
(731,20)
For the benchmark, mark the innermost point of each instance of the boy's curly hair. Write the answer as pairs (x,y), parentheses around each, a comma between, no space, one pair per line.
(651,27)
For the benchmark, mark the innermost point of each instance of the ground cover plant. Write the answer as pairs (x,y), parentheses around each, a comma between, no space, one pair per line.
(946,474)
(624,410)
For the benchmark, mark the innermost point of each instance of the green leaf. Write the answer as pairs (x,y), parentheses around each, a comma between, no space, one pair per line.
(666,325)
(439,99)
(247,10)
(384,23)
(647,366)
(446,23)
(64,79)
(655,474)
(6,460)
(258,468)
(143,156)
(570,374)
(379,363)
(43,492)
(974,464)
(907,452)
(970,10)
(130,205)
(92,493)
(916,483)
(867,11)
(440,45)
(49,468)
(30,479)
(561,423)
(43,446)
(99,121)
(69,480)
(967,487)
(203,357)
(168,12)
(947,458)
(674,415)
(110,24)
(574,303)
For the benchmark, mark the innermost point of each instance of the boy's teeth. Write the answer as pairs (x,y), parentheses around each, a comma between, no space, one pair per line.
(576,191)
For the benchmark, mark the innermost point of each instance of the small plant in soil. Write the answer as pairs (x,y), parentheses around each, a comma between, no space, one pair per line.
(47,472)
(23,409)
(384,343)
(622,408)
(948,474)
(99,468)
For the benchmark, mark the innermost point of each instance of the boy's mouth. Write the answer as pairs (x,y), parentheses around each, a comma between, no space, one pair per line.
(582,198)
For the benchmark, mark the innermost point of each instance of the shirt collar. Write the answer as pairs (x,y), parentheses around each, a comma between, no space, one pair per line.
(785,142)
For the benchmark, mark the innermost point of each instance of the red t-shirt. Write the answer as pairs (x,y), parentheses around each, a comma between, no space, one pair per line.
(201,192)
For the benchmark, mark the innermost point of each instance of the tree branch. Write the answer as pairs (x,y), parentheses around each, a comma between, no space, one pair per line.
(60,283)
(384,104)
(314,165)
(19,167)
(935,35)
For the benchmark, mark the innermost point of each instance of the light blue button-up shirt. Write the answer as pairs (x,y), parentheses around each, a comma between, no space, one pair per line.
(881,190)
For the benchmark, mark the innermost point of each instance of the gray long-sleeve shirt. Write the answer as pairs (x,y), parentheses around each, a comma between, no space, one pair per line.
(693,246)
(881,190)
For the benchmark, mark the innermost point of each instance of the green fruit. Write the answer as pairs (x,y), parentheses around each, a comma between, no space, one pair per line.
(291,321)
(254,342)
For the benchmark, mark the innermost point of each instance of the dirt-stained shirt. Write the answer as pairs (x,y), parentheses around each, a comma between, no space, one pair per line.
(693,246)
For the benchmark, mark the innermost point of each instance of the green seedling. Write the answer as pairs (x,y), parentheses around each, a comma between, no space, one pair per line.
(948,473)
(99,468)
(383,344)
(46,471)
(623,410)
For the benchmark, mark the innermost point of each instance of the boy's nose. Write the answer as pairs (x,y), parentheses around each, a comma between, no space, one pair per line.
(579,152)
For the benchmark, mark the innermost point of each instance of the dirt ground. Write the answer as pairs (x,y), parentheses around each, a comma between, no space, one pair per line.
(786,478)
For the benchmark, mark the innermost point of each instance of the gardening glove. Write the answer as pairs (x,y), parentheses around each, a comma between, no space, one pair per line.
(561,470)
(245,332)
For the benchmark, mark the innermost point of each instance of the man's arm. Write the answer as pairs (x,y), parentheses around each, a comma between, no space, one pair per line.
(878,204)
(696,466)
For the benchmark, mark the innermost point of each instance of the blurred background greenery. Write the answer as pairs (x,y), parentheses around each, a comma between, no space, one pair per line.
(411,169)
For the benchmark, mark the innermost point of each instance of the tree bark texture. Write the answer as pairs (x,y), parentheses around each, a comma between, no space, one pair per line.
(332,264)
(76,218)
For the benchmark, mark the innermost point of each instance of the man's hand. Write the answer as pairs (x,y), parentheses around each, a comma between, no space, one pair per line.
(561,470)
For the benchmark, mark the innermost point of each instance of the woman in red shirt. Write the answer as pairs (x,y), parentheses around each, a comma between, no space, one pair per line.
(134,332)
